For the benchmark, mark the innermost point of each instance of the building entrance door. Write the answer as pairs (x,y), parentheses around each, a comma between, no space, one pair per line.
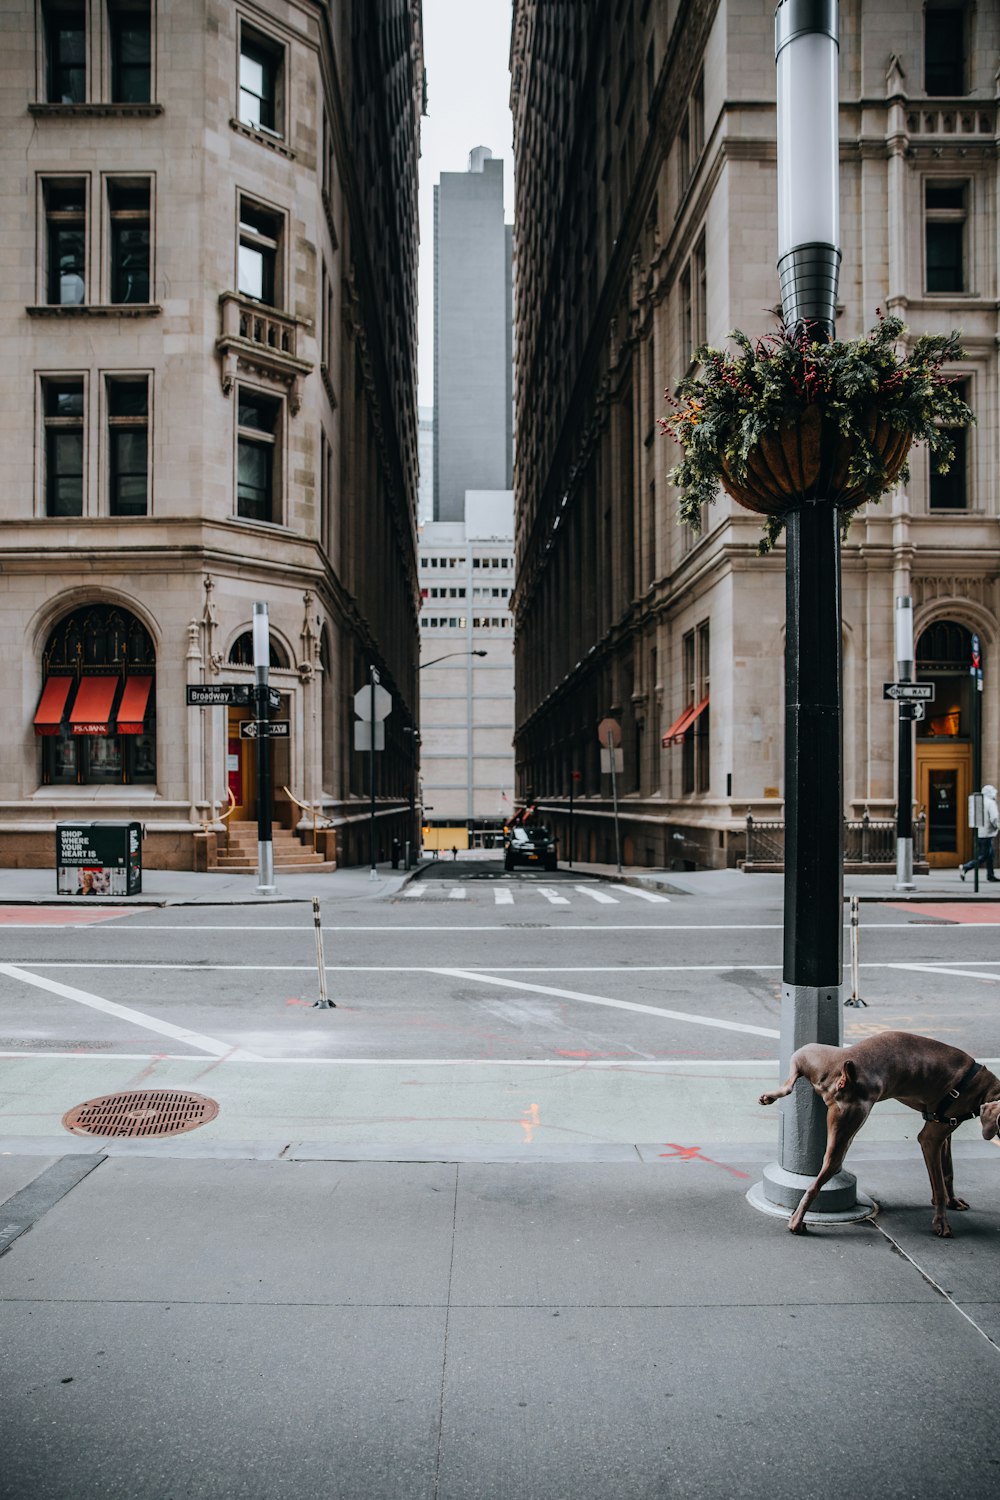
(241,767)
(944,781)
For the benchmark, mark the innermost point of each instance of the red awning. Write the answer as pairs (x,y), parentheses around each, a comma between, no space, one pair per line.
(52,705)
(679,728)
(92,706)
(132,708)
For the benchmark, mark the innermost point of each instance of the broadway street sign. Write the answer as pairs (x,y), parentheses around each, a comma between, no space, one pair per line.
(227,695)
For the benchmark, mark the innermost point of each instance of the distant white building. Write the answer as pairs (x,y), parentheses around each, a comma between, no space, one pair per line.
(467,671)
(466,552)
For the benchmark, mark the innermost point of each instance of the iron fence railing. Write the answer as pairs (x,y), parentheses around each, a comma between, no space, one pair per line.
(867,841)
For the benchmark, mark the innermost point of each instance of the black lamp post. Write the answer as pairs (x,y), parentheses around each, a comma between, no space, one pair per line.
(806,52)
(904,747)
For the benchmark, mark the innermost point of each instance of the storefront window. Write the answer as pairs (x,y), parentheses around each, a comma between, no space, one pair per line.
(102,730)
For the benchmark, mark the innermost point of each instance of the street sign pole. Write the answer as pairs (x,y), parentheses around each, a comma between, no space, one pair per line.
(976,673)
(261,661)
(612,754)
(373,872)
(904,747)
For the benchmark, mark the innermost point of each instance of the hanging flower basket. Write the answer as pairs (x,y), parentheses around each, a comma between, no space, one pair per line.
(788,422)
(808,460)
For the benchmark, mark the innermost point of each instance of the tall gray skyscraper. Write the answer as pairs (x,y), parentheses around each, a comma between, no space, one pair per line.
(473,424)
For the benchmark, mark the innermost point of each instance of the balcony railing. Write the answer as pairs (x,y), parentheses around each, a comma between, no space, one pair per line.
(867,842)
(263,340)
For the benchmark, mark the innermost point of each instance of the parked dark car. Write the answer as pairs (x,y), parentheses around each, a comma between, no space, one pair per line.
(530,844)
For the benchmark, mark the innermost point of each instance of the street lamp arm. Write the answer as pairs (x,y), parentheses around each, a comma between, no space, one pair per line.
(436,659)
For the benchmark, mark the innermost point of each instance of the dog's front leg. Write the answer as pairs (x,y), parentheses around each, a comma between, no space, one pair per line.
(949,1176)
(933,1142)
(843,1121)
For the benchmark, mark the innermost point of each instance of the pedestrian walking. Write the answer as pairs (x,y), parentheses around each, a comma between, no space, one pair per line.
(986,836)
(454,852)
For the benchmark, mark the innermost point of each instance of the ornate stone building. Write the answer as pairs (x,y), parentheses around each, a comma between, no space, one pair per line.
(209,218)
(644,136)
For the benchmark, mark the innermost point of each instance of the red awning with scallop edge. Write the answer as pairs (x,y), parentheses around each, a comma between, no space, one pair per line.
(91,712)
(132,708)
(679,728)
(52,705)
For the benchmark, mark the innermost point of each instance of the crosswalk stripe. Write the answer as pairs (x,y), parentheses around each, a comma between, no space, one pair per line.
(458,894)
(553,896)
(596,895)
(644,895)
(415,890)
(503,897)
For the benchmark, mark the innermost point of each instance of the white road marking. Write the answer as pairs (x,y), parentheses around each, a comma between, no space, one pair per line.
(625,969)
(386,929)
(949,971)
(125,1013)
(596,895)
(415,890)
(553,896)
(643,895)
(458,894)
(649,1010)
(503,897)
(681,1064)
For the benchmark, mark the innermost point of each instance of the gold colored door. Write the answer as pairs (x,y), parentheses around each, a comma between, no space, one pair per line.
(944,781)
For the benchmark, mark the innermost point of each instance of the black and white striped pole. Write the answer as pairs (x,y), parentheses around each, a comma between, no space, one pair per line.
(261,662)
(806,54)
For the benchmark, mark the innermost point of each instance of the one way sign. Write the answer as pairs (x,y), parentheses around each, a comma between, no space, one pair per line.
(922,692)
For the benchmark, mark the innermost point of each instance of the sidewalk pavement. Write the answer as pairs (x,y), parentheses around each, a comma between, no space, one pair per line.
(463,1329)
(186,887)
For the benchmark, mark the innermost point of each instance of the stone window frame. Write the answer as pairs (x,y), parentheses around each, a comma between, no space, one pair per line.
(271,50)
(99,26)
(272,247)
(276,441)
(114,218)
(966,377)
(963,216)
(49,424)
(111,423)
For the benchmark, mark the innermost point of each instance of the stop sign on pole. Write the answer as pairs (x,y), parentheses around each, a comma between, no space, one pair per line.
(609,731)
(363,702)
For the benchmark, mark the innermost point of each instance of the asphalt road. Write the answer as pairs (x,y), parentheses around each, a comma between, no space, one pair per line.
(467,968)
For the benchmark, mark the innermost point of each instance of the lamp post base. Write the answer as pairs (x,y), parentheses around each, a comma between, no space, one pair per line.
(839,1200)
(904,865)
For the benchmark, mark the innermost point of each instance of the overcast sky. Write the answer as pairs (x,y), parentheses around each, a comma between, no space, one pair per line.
(466,54)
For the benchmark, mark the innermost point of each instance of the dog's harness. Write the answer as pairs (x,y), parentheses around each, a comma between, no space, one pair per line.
(942,1115)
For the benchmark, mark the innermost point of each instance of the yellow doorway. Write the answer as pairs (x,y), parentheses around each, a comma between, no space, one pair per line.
(944,781)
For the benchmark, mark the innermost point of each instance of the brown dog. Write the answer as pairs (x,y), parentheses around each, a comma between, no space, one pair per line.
(945,1084)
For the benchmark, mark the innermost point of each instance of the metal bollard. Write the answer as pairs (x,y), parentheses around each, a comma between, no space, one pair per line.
(323,1003)
(855,999)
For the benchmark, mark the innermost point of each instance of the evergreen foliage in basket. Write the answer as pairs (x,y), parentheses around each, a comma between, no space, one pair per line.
(785,421)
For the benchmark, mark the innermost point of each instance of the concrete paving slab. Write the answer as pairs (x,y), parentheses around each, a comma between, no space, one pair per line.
(965,1265)
(145,1229)
(17,1171)
(698,1403)
(636,1236)
(251,1403)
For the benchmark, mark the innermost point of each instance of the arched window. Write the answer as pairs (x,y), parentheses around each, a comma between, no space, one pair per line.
(944,655)
(96,716)
(241,652)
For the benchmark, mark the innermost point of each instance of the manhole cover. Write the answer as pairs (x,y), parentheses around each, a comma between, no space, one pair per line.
(149,1112)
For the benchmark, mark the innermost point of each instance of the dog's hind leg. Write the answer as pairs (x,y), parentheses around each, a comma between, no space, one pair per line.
(934,1143)
(786,1087)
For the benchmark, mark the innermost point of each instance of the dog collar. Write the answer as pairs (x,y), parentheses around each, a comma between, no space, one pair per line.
(941,1115)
